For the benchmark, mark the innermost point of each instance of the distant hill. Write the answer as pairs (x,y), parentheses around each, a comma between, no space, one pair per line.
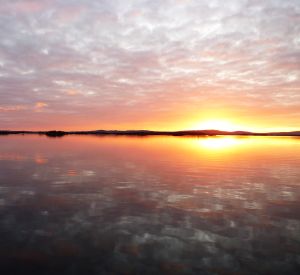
(212,132)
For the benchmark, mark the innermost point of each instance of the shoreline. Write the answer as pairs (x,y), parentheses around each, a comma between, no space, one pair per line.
(55,133)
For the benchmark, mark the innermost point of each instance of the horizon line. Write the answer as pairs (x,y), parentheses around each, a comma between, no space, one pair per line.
(203,132)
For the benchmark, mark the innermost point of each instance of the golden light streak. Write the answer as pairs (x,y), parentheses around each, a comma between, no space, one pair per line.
(219,143)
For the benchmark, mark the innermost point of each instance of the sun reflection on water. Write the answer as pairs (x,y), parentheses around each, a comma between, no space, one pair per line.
(219,143)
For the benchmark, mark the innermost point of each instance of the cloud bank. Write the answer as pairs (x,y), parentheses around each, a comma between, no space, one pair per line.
(148,64)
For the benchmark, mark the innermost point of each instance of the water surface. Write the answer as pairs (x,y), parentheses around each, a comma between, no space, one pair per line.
(150,205)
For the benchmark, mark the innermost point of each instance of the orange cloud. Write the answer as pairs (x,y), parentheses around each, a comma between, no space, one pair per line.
(72,92)
(39,106)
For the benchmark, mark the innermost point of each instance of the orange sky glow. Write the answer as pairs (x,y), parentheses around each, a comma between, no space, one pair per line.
(157,65)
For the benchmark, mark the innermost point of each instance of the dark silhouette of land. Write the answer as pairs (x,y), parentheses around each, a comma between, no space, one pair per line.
(55,133)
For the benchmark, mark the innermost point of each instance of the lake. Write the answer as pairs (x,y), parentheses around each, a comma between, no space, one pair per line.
(149,205)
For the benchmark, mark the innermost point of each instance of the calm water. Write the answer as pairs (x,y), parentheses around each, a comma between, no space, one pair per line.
(154,205)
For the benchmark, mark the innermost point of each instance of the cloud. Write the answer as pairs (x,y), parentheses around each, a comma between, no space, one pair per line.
(132,58)
(12,108)
(39,106)
(72,92)
(24,7)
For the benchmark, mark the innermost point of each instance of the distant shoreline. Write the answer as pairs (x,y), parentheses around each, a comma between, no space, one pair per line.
(55,133)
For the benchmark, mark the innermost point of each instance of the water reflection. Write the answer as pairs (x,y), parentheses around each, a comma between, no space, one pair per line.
(156,205)
(219,143)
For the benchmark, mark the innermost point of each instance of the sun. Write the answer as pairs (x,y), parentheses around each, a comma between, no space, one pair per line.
(222,125)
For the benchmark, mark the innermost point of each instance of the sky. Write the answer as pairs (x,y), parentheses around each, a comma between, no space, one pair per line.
(150,64)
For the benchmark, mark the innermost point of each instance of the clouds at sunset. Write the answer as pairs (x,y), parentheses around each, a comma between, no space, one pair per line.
(148,64)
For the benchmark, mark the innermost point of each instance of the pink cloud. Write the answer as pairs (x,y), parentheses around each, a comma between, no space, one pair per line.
(12,108)
(28,6)
(70,14)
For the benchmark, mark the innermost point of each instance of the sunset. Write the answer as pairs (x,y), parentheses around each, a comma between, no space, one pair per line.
(149,137)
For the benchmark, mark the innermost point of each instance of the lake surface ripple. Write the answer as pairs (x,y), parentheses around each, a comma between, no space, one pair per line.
(151,205)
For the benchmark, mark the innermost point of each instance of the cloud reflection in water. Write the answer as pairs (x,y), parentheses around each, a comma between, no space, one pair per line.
(150,205)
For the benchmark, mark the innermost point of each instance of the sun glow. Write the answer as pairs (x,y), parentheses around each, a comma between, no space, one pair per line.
(222,125)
